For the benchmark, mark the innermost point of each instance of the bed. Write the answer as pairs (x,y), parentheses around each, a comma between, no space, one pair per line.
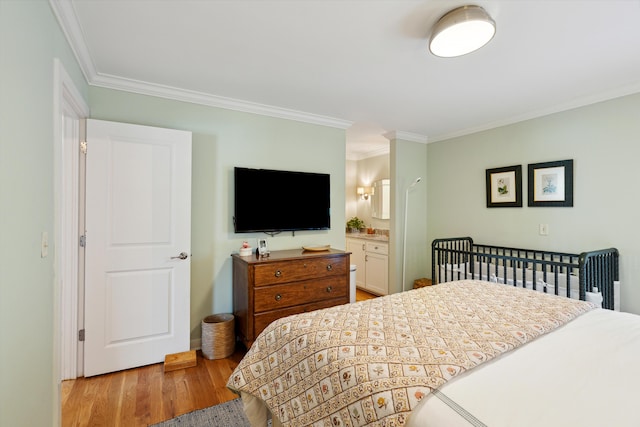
(426,357)
(582,374)
(591,276)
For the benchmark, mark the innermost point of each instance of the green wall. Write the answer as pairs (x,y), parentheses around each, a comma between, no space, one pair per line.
(223,139)
(29,41)
(408,161)
(602,140)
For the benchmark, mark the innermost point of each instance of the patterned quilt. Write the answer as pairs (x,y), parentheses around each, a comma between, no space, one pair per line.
(370,363)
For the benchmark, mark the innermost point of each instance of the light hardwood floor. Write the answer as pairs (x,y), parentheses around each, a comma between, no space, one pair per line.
(147,395)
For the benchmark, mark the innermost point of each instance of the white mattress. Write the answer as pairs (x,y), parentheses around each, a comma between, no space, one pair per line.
(453,272)
(585,374)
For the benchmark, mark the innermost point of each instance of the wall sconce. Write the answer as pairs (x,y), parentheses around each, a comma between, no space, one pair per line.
(364,192)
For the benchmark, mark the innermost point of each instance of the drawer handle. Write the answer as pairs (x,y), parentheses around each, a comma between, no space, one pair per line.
(278,297)
(329,289)
(278,273)
(329,267)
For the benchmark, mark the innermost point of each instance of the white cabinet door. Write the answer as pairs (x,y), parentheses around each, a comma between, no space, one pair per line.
(138,222)
(356,247)
(377,273)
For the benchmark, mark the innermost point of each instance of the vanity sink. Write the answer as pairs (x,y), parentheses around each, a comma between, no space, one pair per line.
(367,236)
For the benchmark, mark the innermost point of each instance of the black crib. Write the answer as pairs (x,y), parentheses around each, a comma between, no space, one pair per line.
(572,275)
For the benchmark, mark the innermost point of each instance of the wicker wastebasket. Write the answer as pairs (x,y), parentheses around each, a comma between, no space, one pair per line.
(218,336)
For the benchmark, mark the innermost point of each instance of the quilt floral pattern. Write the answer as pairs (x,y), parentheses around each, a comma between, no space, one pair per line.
(370,363)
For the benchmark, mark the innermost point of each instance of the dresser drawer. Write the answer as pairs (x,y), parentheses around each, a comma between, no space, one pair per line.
(285,271)
(278,296)
(262,320)
(378,248)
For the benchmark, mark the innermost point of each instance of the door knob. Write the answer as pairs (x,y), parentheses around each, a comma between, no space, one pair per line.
(183,255)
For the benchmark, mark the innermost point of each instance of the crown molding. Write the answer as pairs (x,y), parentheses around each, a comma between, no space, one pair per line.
(162,91)
(365,155)
(406,136)
(391,135)
(379,152)
(66,16)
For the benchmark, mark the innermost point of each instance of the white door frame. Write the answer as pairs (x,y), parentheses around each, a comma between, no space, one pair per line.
(67,288)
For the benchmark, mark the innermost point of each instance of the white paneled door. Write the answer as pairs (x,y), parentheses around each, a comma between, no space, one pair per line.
(138,237)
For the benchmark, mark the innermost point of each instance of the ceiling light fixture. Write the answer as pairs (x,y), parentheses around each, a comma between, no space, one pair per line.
(461,31)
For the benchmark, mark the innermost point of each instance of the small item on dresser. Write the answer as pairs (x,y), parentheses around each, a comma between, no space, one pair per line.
(263,249)
(245,250)
(317,248)
(371,230)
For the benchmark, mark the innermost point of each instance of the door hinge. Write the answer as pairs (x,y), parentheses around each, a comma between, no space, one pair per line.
(83,147)
(83,241)
(81,335)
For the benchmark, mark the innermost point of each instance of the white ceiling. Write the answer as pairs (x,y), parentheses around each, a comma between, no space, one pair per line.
(360,65)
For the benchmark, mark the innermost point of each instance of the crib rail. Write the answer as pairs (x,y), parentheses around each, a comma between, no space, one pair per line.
(560,273)
(600,269)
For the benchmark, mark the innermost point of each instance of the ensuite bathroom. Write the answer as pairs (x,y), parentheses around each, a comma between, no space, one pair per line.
(368,221)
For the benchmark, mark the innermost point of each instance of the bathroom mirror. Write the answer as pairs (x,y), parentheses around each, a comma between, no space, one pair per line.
(380,199)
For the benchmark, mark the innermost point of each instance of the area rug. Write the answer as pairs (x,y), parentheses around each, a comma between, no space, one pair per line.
(228,414)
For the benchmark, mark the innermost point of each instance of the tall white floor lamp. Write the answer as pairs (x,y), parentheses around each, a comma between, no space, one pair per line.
(404,239)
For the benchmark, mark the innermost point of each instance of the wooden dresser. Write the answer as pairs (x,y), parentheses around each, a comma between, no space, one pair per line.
(287,282)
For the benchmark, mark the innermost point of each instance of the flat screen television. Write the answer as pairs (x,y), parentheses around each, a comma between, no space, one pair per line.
(268,200)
